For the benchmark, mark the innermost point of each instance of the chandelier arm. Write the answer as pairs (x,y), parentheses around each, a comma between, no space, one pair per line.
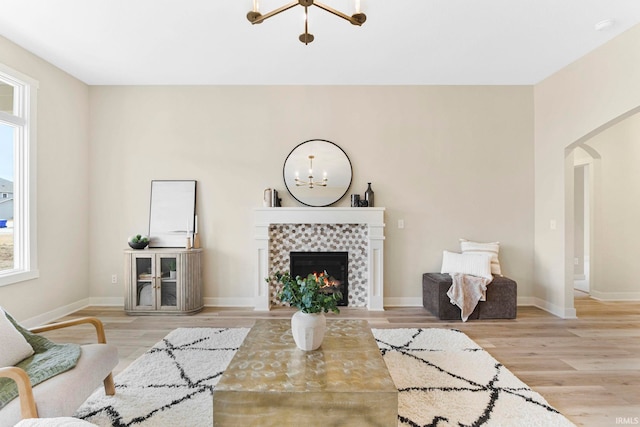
(337,13)
(275,12)
(306,28)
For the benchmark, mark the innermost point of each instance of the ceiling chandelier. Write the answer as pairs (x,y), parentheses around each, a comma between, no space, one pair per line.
(255,17)
(310,182)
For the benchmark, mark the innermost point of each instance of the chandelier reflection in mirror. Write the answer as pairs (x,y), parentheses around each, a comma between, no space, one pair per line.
(255,17)
(310,182)
(327,157)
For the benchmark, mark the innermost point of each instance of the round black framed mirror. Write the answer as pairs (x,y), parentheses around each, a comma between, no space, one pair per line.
(317,173)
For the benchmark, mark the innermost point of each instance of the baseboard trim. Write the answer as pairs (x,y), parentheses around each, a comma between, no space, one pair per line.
(250,303)
(52,315)
(230,302)
(525,301)
(615,296)
(562,312)
(107,301)
(402,302)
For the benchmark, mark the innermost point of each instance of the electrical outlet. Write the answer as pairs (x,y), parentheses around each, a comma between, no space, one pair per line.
(576,261)
(401,223)
(114,278)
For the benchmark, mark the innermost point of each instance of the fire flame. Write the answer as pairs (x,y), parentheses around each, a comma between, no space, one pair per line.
(325,280)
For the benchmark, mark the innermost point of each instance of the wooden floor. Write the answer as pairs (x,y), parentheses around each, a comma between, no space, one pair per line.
(589,368)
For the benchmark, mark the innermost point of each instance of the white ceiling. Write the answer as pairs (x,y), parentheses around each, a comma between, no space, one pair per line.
(459,42)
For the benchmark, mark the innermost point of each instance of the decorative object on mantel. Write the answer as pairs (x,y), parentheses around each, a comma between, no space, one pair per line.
(368,195)
(270,198)
(255,17)
(267,198)
(138,241)
(357,202)
(329,161)
(311,297)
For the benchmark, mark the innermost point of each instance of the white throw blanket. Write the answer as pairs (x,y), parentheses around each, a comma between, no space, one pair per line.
(466,291)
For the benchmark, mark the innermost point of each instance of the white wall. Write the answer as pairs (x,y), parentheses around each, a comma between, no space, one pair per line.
(616,224)
(451,161)
(63,192)
(579,221)
(570,104)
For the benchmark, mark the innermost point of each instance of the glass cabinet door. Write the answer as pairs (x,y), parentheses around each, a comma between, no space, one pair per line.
(167,297)
(144,282)
(163,281)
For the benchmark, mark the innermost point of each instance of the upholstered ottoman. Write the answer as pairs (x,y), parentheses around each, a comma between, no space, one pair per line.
(501,300)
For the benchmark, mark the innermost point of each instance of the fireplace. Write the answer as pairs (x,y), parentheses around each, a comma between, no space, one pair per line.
(336,264)
(358,231)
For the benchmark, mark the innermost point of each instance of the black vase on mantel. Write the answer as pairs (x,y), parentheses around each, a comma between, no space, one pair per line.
(368,195)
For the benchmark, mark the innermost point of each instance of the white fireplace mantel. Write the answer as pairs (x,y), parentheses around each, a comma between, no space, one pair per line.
(372,217)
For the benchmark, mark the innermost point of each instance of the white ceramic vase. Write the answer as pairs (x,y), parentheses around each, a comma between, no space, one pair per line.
(308,329)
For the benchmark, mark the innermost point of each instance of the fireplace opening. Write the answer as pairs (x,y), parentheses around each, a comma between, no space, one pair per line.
(336,264)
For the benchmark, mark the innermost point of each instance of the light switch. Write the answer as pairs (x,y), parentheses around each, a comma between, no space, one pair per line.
(552,224)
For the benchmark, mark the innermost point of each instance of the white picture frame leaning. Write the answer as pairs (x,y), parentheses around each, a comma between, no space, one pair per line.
(172,213)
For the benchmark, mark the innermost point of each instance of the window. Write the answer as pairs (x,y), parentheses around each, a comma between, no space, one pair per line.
(18,251)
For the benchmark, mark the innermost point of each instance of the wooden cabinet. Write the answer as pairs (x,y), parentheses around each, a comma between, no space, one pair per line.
(163,281)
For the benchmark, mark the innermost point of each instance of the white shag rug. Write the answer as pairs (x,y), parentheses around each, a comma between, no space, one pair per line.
(444,379)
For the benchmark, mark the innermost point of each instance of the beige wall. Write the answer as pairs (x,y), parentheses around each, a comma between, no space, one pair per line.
(615,266)
(6,98)
(569,105)
(451,162)
(63,173)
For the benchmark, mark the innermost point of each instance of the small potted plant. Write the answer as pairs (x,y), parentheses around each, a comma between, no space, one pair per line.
(138,241)
(313,296)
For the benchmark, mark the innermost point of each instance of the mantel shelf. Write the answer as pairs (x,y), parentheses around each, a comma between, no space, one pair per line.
(326,215)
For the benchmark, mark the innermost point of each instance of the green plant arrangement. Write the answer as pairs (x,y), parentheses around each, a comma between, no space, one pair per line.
(138,241)
(311,294)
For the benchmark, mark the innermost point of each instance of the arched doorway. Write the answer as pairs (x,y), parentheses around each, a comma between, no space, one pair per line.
(611,154)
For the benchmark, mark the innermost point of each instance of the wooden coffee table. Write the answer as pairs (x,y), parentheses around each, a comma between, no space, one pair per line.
(270,382)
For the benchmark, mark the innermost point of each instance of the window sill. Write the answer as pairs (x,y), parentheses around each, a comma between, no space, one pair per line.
(16,277)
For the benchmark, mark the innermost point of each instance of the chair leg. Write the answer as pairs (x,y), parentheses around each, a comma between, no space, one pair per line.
(109,386)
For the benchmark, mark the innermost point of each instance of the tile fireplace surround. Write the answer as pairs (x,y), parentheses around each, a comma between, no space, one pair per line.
(371,218)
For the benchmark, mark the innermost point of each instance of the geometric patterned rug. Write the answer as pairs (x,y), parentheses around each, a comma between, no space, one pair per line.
(169,385)
(444,379)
